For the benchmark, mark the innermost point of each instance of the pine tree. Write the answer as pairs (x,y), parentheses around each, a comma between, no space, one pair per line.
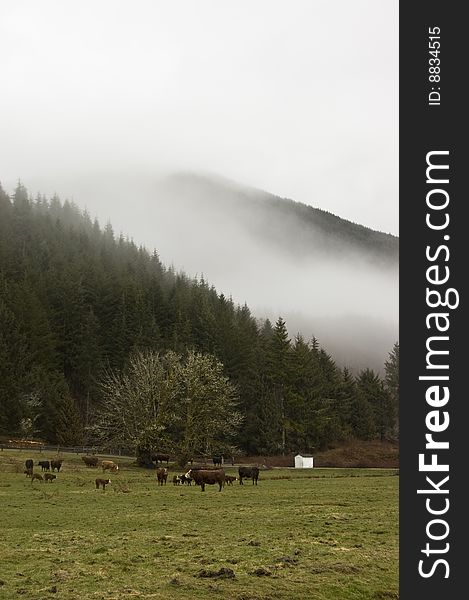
(391,380)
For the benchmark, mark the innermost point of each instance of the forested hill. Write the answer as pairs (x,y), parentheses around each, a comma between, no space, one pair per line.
(298,229)
(76,300)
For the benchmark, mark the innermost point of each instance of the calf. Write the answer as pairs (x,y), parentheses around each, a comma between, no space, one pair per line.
(162,476)
(248,473)
(56,464)
(90,461)
(44,464)
(102,482)
(203,477)
(28,472)
(230,478)
(186,478)
(109,465)
(176,480)
(37,476)
(49,477)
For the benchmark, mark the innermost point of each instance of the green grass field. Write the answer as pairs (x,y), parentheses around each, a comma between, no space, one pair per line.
(325,534)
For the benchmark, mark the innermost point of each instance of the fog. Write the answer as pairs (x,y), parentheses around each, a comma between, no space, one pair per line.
(103,100)
(295,98)
(238,240)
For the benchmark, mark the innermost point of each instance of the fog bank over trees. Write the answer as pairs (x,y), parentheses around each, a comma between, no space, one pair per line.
(327,276)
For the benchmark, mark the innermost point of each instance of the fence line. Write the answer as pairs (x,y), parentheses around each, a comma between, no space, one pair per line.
(70,449)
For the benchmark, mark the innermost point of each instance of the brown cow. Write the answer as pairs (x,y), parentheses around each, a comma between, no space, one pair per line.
(103,482)
(162,475)
(49,477)
(210,477)
(229,479)
(109,465)
(37,476)
(90,461)
(28,472)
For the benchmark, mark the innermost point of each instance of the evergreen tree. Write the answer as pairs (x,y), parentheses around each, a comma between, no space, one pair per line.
(391,380)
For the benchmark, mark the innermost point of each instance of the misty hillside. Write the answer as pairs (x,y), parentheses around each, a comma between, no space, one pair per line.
(77,300)
(300,230)
(326,276)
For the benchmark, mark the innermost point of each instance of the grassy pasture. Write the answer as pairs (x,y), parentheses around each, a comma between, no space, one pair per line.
(325,534)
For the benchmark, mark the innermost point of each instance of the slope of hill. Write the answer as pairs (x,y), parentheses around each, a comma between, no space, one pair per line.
(298,229)
(327,276)
(76,300)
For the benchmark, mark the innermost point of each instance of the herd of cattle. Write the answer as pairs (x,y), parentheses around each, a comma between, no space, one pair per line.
(201,476)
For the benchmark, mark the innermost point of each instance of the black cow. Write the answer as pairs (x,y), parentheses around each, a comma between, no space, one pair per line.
(217,460)
(210,477)
(29,464)
(248,473)
(160,458)
(44,464)
(56,464)
(185,479)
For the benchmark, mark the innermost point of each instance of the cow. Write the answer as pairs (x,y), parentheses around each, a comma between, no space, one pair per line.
(109,465)
(217,460)
(37,476)
(210,477)
(248,473)
(160,458)
(229,479)
(29,464)
(176,480)
(28,472)
(90,461)
(162,476)
(103,482)
(185,479)
(44,464)
(56,464)
(49,477)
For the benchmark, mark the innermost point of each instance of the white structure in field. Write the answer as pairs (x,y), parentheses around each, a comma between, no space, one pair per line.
(304,461)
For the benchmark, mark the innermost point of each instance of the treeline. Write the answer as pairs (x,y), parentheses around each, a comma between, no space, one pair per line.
(76,301)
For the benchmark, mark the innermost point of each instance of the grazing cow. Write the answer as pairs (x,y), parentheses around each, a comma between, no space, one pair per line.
(230,478)
(90,461)
(44,464)
(160,458)
(176,480)
(217,460)
(210,477)
(56,464)
(37,476)
(29,464)
(162,475)
(109,465)
(28,472)
(102,482)
(248,473)
(49,477)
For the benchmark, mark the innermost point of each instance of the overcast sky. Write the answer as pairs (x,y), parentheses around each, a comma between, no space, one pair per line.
(295,97)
